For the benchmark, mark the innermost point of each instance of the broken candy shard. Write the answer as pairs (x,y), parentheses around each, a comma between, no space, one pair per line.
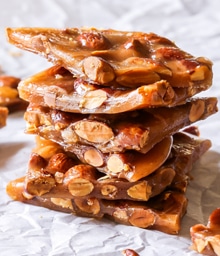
(162,213)
(137,130)
(58,88)
(130,59)
(206,239)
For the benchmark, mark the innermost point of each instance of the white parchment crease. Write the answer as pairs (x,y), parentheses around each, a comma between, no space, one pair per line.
(29,230)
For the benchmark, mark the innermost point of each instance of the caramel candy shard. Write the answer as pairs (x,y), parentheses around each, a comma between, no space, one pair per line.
(131,165)
(15,189)
(3,116)
(69,179)
(138,130)
(59,89)
(206,239)
(112,188)
(163,212)
(131,58)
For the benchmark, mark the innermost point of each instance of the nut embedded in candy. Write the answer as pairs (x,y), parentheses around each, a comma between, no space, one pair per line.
(206,239)
(98,70)
(115,48)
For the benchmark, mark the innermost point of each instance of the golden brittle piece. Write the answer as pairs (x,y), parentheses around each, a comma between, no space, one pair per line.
(163,212)
(137,130)
(127,58)
(206,239)
(58,88)
(61,175)
(56,181)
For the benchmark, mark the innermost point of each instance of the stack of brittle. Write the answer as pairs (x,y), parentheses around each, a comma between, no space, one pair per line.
(112,119)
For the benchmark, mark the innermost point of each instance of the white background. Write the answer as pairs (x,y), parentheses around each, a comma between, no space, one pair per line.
(28,230)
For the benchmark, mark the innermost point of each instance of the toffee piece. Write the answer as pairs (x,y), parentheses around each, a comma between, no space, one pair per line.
(206,238)
(127,58)
(61,175)
(58,88)
(163,213)
(101,133)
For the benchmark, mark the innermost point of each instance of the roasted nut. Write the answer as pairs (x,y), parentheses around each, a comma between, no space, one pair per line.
(36,162)
(115,164)
(38,183)
(93,41)
(165,92)
(59,176)
(64,203)
(120,215)
(69,135)
(59,126)
(59,162)
(33,121)
(140,191)
(27,195)
(93,131)
(93,157)
(109,190)
(93,99)
(199,73)
(140,71)
(80,187)
(90,205)
(197,110)
(136,76)
(142,218)
(79,180)
(135,48)
(48,151)
(143,139)
(98,70)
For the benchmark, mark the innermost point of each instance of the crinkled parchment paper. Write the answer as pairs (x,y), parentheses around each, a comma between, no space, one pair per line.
(29,230)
